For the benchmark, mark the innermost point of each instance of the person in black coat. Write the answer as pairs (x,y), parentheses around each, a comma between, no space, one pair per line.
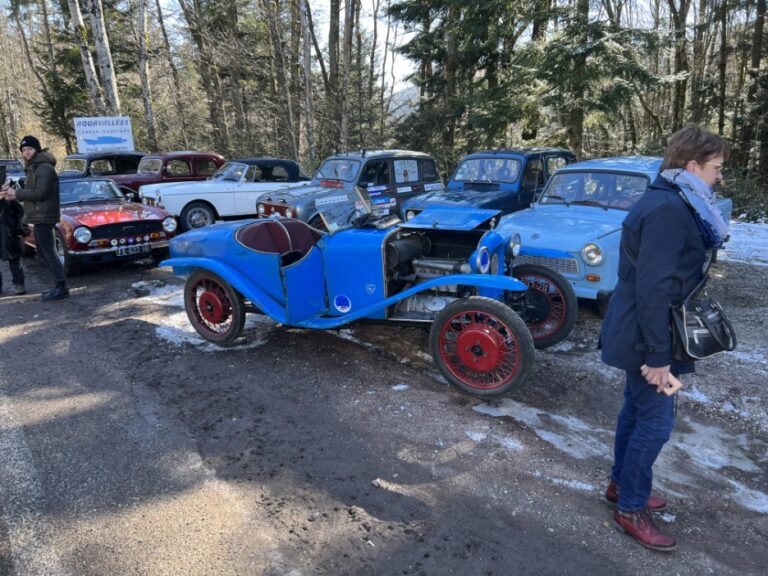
(11,231)
(41,202)
(664,253)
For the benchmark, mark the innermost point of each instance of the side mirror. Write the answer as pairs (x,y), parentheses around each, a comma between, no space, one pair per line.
(129,194)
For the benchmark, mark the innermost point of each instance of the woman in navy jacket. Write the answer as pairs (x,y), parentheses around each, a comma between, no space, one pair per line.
(665,241)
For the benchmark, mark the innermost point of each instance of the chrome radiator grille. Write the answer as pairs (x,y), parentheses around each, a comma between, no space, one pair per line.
(562,265)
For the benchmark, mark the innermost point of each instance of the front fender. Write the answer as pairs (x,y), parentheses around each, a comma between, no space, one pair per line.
(481,280)
(259,298)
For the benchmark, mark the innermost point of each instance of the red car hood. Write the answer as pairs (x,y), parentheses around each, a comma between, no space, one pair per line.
(101,213)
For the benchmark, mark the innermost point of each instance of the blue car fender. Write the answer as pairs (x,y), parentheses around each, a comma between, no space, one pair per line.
(492,281)
(185,266)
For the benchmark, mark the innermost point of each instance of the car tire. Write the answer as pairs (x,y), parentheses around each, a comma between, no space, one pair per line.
(481,346)
(71,265)
(196,215)
(549,307)
(214,308)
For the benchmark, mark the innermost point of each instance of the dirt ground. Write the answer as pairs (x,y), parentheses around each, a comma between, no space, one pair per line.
(129,446)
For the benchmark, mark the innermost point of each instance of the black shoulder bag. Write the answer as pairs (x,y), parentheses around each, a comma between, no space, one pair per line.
(698,325)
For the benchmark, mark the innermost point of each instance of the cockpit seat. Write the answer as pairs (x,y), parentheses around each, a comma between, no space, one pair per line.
(292,239)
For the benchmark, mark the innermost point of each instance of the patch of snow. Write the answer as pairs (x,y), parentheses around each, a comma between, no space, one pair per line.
(476,436)
(573,484)
(399,387)
(177,330)
(748,243)
(511,443)
(709,447)
(750,499)
(668,518)
(695,394)
(159,293)
(563,346)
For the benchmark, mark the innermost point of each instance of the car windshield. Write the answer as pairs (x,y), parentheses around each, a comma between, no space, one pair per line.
(488,170)
(230,172)
(338,169)
(72,192)
(339,208)
(73,165)
(12,166)
(150,165)
(603,189)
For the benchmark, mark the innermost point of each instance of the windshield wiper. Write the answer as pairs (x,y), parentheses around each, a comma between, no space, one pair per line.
(94,199)
(555,196)
(590,203)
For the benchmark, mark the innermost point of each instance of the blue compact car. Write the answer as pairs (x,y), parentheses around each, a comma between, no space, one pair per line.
(505,180)
(575,226)
(446,268)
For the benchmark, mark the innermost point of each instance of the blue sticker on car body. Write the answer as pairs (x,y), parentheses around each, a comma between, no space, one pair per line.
(342,303)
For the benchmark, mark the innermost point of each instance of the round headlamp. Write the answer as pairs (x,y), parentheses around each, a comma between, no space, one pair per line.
(592,254)
(495,264)
(483,260)
(515,244)
(261,209)
(288,213)
(409,214)
(169,224)
(82,235)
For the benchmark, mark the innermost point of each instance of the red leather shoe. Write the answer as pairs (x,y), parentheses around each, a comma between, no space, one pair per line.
(640,526)
(655,503)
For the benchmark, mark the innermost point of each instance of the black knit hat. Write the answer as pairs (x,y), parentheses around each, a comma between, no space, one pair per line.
(31,142)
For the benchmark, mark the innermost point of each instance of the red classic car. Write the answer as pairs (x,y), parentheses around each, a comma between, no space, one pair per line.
(171,167)
(98,225)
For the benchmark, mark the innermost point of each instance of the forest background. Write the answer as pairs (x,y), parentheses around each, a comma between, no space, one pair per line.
(304,79)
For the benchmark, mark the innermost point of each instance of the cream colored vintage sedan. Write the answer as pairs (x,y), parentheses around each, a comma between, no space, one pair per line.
(229,194)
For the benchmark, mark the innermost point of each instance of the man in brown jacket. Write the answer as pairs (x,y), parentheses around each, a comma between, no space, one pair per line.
(41,203)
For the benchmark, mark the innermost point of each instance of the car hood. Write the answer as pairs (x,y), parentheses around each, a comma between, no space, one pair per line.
(166,188)
(467,197)
(93,214)
(563,227)
(288,195)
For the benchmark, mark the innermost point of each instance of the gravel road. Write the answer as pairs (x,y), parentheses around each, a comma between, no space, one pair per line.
(129,446)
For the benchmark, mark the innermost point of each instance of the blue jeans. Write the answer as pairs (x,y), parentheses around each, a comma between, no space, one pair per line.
(644,426)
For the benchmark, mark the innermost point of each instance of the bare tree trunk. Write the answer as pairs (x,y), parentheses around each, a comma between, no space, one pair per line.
(295,69)
(94,87)
(349,18)
(332,108)
(679,18)
(309,119)
(451,71)
(176,87)
(699,62)
(270,8)
(575,117)
(146,94)
(383,113)
(48,41)
(104,56)
(723,65)
(209,75)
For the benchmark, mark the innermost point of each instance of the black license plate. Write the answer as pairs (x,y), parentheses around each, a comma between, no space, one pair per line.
(132,250)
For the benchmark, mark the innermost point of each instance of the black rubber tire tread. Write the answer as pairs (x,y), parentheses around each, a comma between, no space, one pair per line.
(569,296)
(71,266)
(183,224)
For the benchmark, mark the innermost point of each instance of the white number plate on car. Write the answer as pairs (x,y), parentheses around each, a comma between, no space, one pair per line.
(132,250)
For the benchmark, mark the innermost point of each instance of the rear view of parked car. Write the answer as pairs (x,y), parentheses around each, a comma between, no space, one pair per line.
(99,164)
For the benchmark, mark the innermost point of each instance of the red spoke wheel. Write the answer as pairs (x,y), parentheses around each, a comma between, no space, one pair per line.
(481,346)
(215,309)
(549,307)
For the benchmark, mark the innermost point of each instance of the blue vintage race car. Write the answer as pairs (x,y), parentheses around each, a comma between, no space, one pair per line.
(446,268)
(575,226)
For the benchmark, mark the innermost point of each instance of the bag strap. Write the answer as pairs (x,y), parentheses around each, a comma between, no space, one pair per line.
(632,260)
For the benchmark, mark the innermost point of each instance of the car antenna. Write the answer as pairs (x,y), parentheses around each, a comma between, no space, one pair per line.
(362,152)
